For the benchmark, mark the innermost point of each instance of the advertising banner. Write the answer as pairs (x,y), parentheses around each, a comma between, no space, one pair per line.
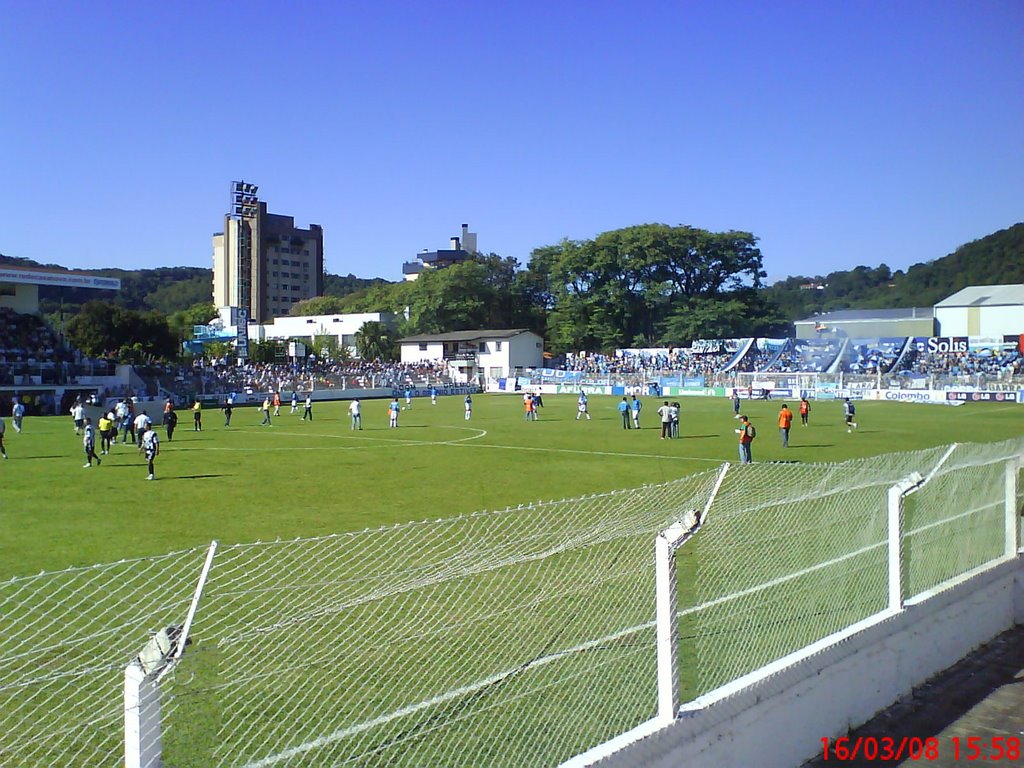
(940,345)
(242,340)
(983,397)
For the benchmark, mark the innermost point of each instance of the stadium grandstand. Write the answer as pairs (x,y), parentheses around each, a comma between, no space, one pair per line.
(37,366)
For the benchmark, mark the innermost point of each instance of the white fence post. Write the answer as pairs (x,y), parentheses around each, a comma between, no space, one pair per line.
(1012,538)
(895,532)
(665,545)
(142,747)
(668,654)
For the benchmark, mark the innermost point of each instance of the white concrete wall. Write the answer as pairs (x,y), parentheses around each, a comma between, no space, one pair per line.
(995,321)
(411,352)
(776,719)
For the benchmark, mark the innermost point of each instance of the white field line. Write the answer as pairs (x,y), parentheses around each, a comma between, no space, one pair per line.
(357,728)
(383,442)
(544,449)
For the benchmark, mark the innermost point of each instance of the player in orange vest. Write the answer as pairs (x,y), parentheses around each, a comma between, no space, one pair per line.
(785,422)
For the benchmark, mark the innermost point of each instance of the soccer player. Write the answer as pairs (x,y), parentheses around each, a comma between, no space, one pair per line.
(89,441)
(408,398)
(469,407)
(266,412)
(674,413)
(197,416)
(295,402)
(636,405)
(624,412)
(126,413)
(433,395)
(528,406)
(805,410)
(151,447)
(141,424)
(17,415)
(747,434)
(785,422)
(393,410)
(78,416)
(355,411)
(581,406)
(277,403)
(3,428)
(735,403)
(850,411)
(227,411)
(308,407)
(665,412)
(170,422)
(106,427)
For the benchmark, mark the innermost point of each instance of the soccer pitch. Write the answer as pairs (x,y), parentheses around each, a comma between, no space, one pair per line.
(474,640)
(293,479)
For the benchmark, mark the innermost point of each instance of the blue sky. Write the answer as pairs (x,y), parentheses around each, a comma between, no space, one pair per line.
(838,133)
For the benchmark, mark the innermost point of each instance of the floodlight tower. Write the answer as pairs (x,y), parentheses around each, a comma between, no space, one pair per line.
(245,208)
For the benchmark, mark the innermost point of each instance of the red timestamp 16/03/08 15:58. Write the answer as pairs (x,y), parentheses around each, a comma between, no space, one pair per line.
(970,748)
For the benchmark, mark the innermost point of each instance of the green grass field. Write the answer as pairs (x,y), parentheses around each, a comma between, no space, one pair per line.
(299,479)
(436,627)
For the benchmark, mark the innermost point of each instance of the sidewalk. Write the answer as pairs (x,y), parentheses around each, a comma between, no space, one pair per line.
(982,696)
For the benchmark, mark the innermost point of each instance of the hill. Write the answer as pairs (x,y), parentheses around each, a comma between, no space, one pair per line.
(167,289)
(992,260)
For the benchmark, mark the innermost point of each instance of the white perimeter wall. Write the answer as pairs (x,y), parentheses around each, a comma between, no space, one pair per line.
(777,719)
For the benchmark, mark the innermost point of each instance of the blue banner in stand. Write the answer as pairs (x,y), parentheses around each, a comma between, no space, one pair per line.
(242,339)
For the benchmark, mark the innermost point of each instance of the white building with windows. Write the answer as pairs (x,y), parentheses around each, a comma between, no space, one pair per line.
(476,356)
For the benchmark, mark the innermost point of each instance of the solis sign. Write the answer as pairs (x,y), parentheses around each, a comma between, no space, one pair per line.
(940,345)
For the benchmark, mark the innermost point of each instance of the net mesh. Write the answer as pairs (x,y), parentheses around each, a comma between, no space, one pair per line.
(519,637)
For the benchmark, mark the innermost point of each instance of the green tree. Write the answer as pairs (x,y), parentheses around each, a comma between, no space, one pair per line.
(183,322)
(101,329)
(625,285)
(375,341)
(318,305)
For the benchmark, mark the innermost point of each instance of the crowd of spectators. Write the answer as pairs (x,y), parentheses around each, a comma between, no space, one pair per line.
(650,364)
(28,348)
(309,375)
(989,363)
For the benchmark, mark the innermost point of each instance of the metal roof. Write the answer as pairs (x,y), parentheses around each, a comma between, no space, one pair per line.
(465,335)
(986,296)
(872,315)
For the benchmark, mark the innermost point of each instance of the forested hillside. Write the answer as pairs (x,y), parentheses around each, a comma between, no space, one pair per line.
(167,289)
(992,260)
(646,285)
